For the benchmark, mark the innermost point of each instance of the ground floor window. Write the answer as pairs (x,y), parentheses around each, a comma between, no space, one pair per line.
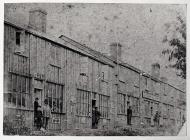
(17,94)
(54,94)
(165,111)
(104,105)
(147,107)
(121,103)
(83,102)
(135,105)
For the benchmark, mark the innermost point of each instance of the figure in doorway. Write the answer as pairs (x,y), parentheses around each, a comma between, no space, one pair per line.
(156,119)
(46,114)
(129,115)
(152,117)
(95,117)
(37,114)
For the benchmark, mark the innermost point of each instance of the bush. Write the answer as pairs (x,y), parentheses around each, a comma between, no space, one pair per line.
(12,127)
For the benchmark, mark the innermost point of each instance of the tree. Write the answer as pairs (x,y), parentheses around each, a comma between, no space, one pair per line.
(176,38)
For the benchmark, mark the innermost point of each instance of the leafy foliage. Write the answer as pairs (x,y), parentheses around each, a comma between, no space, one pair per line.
(178,42)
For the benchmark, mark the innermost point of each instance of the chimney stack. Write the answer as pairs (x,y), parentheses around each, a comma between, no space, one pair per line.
(164,79)
(37,19)
(115,51)
(155,72)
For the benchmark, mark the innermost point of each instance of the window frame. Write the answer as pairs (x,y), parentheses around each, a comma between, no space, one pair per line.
(104,106)
(17,96)
(58,91)
(83,100)
(119,110)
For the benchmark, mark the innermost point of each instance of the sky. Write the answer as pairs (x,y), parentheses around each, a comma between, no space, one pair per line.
(140,29)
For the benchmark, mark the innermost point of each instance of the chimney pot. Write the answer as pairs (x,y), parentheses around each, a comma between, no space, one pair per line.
(115,50)
(164,79)
(155,70)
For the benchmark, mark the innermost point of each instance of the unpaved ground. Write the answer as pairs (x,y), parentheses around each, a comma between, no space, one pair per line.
(116,132)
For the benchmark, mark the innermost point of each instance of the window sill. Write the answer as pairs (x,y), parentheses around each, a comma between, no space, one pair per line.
(122,114)
(20,54)
(136,115)
(83,116)
(104,118)
(55,65)
(19,73)
(61,113)
(12,107)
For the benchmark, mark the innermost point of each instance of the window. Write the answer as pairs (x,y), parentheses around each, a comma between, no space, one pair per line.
(156,106)
(55,55)
(83,77)
(136,91)
(147,83)
(18,34)
(122,86)
(103,105)
(165,111)
(135,105)
(20,64)
(54,94)
(54,74)
(105,72)
(147,107)
(172,111)
(104,88)
(83,102)
(122,74)
(18,91)
(121,103)
(84,66)
(20,42)
(136,79)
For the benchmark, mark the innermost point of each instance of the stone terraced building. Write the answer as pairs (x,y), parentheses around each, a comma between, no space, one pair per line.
(74,77)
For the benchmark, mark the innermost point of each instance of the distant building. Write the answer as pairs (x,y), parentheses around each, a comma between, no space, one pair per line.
(74,78)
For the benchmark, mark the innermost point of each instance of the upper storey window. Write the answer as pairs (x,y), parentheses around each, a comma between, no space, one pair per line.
(19,41)
(18,38)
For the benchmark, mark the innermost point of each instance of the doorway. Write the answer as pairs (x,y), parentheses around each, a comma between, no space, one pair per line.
(38,94)
(93,113)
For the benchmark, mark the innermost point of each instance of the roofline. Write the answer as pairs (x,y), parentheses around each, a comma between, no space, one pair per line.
(81,49)
(99,57)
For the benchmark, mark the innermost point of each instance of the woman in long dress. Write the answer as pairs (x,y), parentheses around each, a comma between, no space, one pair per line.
(46,114)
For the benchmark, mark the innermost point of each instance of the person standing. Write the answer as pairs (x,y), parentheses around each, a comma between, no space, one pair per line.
(160,119)
(156,119)
(46,114)
(129,115)
(95,117)
(152,117)
(36,113)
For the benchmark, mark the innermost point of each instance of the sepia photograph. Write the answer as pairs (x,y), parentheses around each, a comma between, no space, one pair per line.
(94,69)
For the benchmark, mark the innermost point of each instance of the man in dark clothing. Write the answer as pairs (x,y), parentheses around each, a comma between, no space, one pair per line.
(95,117)
(156,119)
(129,115)
(37,116)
